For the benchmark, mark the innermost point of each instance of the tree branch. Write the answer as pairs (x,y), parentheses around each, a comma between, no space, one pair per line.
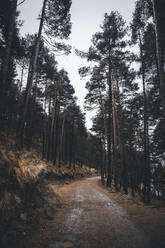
(21,3)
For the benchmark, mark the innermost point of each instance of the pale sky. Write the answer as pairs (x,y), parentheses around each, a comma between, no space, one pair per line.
(86,17)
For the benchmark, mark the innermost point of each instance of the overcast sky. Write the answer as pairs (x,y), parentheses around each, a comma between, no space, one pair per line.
(86,16)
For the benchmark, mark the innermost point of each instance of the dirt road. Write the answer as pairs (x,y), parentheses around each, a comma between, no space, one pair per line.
(90,218)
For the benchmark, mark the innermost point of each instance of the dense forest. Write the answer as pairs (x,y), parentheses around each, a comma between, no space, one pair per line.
(125,85)
(127,90)
(45,143)
(38,106)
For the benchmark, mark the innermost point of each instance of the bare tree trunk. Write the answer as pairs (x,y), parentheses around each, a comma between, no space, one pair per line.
(102,151)
(104,137)
(146,181)
(114,137)
(61,138)
(66,144)
(124,169)
(44,139)
(48,132)
(22,77)
(109,128)
(56,135)
(53,121)
(45,96)
(72,144)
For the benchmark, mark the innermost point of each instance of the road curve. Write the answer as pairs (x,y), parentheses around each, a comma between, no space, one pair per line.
(95,221)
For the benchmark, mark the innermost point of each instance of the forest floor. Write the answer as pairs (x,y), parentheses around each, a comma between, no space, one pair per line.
(90,216)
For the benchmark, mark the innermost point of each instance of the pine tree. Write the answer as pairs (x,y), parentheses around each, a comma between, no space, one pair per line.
(107,51)
(138,30)
(55,19)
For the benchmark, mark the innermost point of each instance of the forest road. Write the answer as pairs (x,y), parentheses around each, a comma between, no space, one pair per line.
(94,220)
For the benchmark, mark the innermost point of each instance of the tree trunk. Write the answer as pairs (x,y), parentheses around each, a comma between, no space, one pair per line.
(6,58)
(48,132)
(32,70)
(103,162)
(22,77)
(52,130)
(56,136)
(109,129)
(66,144)
(159,16)
(71,147)
(114,138)
(61,137)
(102,151)
(124,169)
(146,181)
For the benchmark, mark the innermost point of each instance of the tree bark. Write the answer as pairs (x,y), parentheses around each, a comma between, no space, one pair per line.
(146,178)
(114,137)
(56,136)
(109,128)
(103,162)
(61,138)
(124,168)
(52,130)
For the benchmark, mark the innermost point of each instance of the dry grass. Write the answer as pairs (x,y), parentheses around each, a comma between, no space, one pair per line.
(21,171)
(17,170)
(30,169)
(70,173)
